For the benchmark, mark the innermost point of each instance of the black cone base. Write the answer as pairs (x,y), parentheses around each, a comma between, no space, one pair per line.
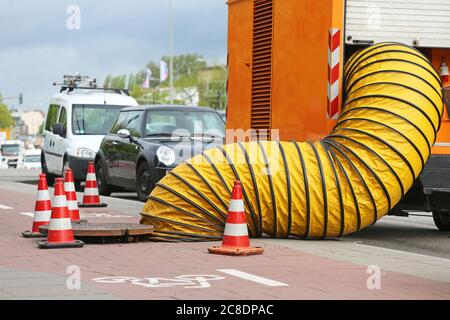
(62,245)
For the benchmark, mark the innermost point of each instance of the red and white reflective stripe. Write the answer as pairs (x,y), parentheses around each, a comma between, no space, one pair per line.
(43,195)
(334,65)
(90,192)
(72,205)
(59,202)
(91,177)
(60,224)
(444,73)
(69,187)
(235,230)
(42,216)
(236,206)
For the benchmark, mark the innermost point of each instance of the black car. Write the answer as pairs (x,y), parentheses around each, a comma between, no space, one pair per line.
(146,142)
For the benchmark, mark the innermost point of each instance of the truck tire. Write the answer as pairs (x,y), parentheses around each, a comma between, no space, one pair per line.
(50,177)
(442,219)
(103,188)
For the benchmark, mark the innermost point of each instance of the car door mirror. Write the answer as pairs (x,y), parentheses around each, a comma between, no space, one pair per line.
(124,134)
(58,129)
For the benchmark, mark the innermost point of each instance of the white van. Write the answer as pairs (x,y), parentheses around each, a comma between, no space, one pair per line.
(77,120)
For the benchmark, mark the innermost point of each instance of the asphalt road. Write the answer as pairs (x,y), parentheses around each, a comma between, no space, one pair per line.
(416,233)
(414,259)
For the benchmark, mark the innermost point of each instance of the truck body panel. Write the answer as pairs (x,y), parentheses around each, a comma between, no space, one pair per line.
(413,22)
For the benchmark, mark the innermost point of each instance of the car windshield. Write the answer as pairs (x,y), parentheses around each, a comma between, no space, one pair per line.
(32,159)
(11,149)
(93,119)
(184,123)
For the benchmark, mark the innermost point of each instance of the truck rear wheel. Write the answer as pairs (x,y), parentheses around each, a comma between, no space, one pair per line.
(442,219)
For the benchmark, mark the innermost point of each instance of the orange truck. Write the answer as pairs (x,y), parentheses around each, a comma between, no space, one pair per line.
(286,70)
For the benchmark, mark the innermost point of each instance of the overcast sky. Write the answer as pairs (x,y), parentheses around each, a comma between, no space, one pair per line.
(116,36)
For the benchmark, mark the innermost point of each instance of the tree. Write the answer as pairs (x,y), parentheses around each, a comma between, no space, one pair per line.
(186,71)
(186,66)
(107,81)
(41,128)
(6,121)
(212,87)
(118,82)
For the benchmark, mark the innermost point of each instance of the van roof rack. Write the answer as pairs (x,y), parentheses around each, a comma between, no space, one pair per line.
(73,82)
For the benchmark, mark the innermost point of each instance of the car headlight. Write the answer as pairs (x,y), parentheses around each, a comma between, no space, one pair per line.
(85,153)
(165,155)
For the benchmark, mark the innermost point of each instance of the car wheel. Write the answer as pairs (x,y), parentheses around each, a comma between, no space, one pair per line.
(65,167)
(50,177)
(103,188)
(144,181)
(442,219)
(78,187)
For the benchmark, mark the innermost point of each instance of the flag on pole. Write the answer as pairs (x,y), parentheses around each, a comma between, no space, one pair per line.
(164,71)
(146,84)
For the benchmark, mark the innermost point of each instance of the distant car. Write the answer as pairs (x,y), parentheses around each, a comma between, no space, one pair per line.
(223,114)
(4,162)
(147,142)
(32,159)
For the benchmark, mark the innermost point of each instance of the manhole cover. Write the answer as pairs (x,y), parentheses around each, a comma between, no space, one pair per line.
(83,230)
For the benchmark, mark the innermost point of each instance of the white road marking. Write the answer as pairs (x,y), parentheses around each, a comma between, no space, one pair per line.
(2,207)
(28,214)
(253,278)
(103,215)
(187,281)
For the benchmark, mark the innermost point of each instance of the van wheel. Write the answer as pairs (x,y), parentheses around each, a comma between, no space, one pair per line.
(144,181)
(103,188)
(66,165)
(50,177)
(77,184)
(442,219)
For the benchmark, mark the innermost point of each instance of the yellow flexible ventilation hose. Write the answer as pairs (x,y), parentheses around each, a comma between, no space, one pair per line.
(330,188)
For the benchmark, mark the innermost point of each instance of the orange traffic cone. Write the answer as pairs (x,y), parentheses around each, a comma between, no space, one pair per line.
(71,195)
(60,233)
(91,199)
(42,210)
(235,240)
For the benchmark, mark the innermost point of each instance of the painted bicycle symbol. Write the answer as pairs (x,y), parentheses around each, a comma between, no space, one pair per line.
(186,281)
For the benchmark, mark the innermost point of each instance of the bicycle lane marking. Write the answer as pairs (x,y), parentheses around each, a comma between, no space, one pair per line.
(253,278)
(186,281)
(28,214)
(189,281)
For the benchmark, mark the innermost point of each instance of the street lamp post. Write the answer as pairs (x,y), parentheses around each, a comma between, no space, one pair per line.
(171,52)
